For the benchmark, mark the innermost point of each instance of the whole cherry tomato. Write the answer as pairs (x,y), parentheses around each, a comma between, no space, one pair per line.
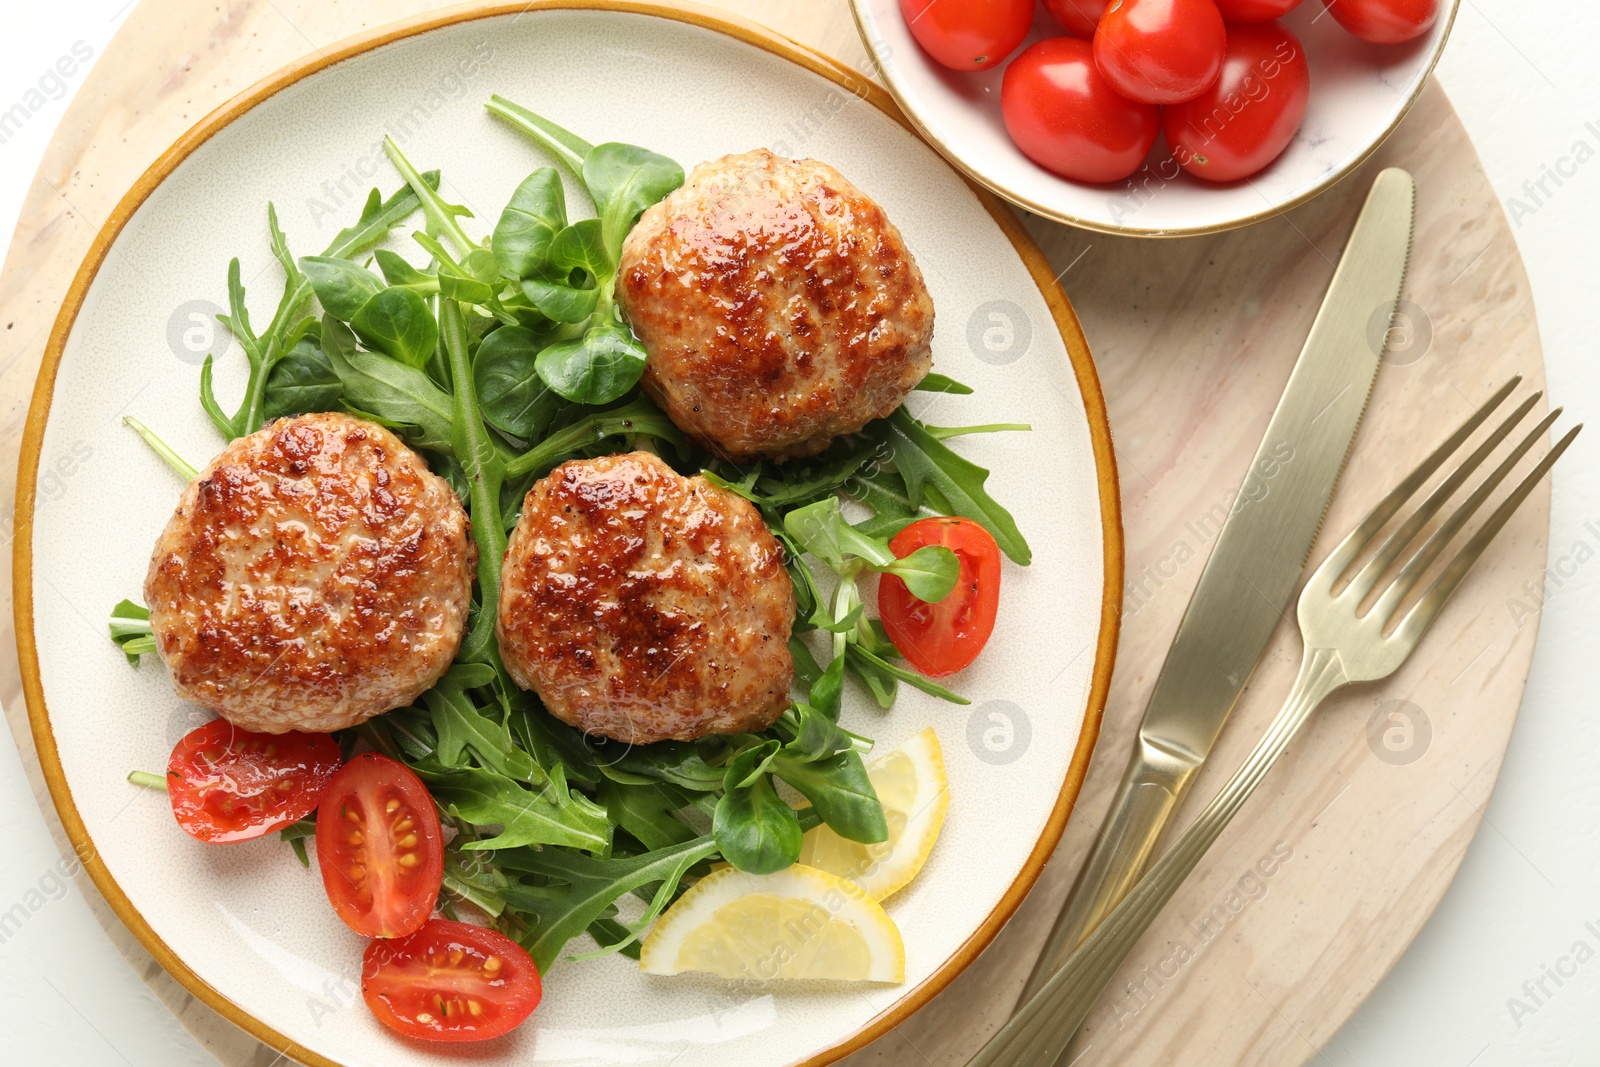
(1067,118)
(943,637)
(1246,120)
(1254,10)
(228,785)
(1078,17)
(450,981)
(380,847)
(968,34)
(1385,21)
(1160,51)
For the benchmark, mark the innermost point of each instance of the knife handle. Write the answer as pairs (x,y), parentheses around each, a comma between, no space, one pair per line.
(1146,800)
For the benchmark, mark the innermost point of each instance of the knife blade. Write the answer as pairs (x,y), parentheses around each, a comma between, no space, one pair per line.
(1255,564)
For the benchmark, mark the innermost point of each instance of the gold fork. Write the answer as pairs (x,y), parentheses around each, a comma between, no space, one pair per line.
(1343,644)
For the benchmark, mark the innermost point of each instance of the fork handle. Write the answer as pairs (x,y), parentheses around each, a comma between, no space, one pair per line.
(1149,794)
(1039,1032)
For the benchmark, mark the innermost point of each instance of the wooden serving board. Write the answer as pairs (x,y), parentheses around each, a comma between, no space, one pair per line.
(1323,881)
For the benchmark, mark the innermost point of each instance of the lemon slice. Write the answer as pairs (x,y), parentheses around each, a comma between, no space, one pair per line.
(915,794)
(798,923)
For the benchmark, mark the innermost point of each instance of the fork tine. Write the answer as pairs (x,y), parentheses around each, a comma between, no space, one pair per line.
(1356,541)
(1422,614)
(1374,568)
(1423,558)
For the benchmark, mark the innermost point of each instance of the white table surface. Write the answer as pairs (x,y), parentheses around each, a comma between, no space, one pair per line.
(1524,79)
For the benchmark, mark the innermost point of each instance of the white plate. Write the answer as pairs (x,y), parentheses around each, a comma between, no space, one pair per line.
(244,926)
(1359,93)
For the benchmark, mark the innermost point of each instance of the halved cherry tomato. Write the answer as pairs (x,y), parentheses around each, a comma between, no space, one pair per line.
(1160,51)
(939,639)
(228,785)
(1246,120)
(968,34)
(1243,11)
(1385,21)
(380,847)
(1068,119)
(450,982)
(1078,17)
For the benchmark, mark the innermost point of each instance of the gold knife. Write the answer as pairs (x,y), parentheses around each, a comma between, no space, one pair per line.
(1254,566)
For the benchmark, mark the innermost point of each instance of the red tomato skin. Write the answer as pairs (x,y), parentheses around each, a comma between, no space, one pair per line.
(1160,51)
(1077,17)
(1245,11)
(943,638)
(505,999)
(1245,121)
(968,34)
(1385,21)
(405,895)
(229,785)
(1067,118)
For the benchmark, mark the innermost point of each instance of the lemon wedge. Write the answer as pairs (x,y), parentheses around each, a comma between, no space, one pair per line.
(915,794)
(797,923)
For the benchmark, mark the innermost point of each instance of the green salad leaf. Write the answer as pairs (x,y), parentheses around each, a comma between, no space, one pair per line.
(930,469)
(536,212)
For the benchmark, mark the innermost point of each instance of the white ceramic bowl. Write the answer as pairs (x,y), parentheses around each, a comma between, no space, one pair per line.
(1359,94)
(245,927)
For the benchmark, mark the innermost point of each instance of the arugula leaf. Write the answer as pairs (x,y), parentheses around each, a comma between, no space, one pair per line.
(929,573)
(551,741)
(440,213)
(588,886)
(471,877)
(638,416)
(183,467)
(475,450)
(885,493)
(395,392)
(862,656)
(880,684)
(378,217)
(677,763)
(806,670)
(944,433)
(262,352)
(925,462)
(645,811)
(567,147)
(551,815)
(130,629)
(461,726)
(797,483)
(939,383)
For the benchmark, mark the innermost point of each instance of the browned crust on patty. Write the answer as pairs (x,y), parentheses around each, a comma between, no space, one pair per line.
(315,574)
(643,605)
(779,306)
